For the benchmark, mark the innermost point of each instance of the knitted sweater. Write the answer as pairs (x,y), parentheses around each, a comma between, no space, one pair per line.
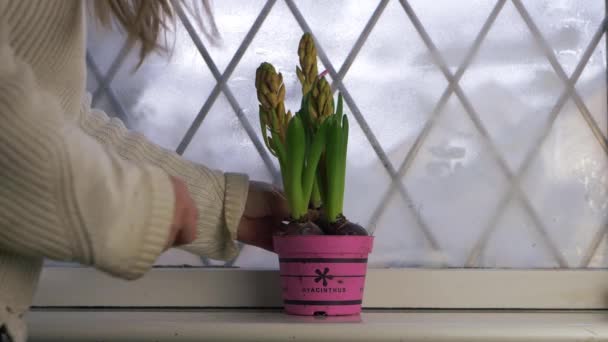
(74,184)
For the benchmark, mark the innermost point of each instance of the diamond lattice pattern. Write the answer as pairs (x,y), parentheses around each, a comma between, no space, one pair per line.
(479,129)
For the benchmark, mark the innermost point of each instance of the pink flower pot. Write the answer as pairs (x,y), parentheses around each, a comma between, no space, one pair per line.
(321,274)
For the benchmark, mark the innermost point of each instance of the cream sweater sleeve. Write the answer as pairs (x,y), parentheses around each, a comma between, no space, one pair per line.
(220,197)
(65,196)
(91,191)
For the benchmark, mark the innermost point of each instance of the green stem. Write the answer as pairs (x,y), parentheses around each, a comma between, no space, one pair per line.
(321,180)
(342,164)
(304,113)
(332,205)
(313,157)
(295,157)
(279,148)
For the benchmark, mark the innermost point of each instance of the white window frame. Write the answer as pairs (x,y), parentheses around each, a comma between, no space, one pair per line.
(469,288)
(404,304)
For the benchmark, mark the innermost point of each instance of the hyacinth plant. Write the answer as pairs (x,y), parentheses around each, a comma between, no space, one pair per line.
(310,146)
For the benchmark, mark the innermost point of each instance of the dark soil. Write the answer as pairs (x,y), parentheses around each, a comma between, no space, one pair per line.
(316,225)
(344,227)
(302,228)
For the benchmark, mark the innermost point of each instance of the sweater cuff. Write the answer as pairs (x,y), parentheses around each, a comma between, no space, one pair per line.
(156,229)
(237,189)
(219,218)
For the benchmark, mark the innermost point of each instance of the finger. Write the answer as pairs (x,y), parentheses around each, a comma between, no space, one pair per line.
(186,236)
(192,224)
(175,227)
(192,212)
(189,230)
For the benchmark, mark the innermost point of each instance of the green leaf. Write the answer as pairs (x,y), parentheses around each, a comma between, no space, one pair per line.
(278,147)
(332,163)
(343,154)
(295,157)
(312,160)
(262,114)
(340,105)
(304,113)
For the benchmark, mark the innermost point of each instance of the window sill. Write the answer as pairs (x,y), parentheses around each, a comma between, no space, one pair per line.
(271,325)
(68,287)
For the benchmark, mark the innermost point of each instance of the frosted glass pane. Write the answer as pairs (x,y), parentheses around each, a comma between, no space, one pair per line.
(514,243)
(512,86)
(567,25)
(592,86)
(394,82)
(568,184)
(455,183)
(466,207)
(234,18)
(337,23)
(443,21)
(222,135)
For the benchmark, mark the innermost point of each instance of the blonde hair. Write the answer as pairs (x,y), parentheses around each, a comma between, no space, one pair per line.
(144,21)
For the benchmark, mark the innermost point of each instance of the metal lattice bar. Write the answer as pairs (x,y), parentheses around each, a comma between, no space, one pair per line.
(222,85)
(513,192)
(594,245)
(428,234)
(119,110)
(474,116)
(104,83)
(556,109)
(568,92)
(348,62)
(604,231)
(586,261)
(429,124)
(572,93)
(597,132)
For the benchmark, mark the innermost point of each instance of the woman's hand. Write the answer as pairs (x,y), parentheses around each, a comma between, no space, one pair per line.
(265,210)
(185,216)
